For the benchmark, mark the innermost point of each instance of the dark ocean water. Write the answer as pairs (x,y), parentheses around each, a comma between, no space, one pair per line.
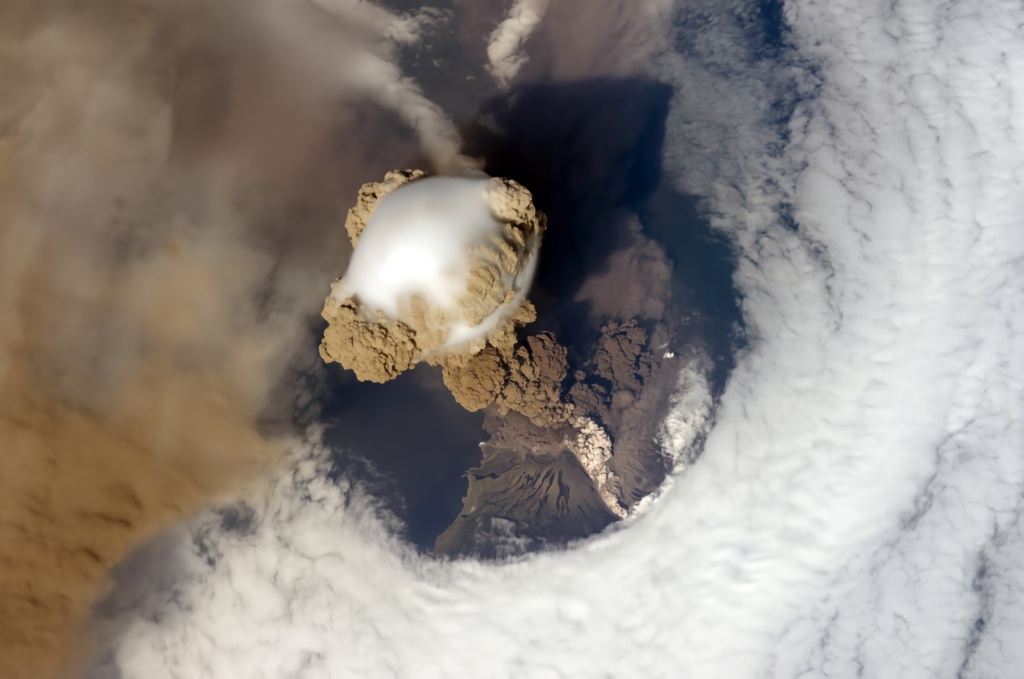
(409,440)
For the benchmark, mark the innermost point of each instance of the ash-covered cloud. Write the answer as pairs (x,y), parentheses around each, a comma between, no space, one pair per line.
(636,284)
(170,175)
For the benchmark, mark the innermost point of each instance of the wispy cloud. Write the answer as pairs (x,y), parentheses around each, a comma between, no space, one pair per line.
(505,49)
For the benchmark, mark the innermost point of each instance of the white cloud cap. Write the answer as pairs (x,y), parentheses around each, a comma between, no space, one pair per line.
(420,242)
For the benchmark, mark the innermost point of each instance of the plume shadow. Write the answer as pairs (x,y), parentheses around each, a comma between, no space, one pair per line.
(590,152)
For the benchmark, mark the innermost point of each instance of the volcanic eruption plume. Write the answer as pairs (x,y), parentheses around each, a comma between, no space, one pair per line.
(440,274)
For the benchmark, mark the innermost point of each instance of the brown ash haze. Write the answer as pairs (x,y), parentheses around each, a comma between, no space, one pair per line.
(759,414)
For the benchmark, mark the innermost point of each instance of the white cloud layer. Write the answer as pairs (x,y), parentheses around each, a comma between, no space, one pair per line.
(857,509)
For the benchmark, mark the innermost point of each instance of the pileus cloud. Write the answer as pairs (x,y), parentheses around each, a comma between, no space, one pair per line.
(446,257)
(439,274)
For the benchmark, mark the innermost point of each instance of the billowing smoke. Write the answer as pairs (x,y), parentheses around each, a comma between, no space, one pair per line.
(452,258)
(440,273)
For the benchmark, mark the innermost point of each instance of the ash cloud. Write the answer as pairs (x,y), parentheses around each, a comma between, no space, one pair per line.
(162,220)
(637,282)
(440,274)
